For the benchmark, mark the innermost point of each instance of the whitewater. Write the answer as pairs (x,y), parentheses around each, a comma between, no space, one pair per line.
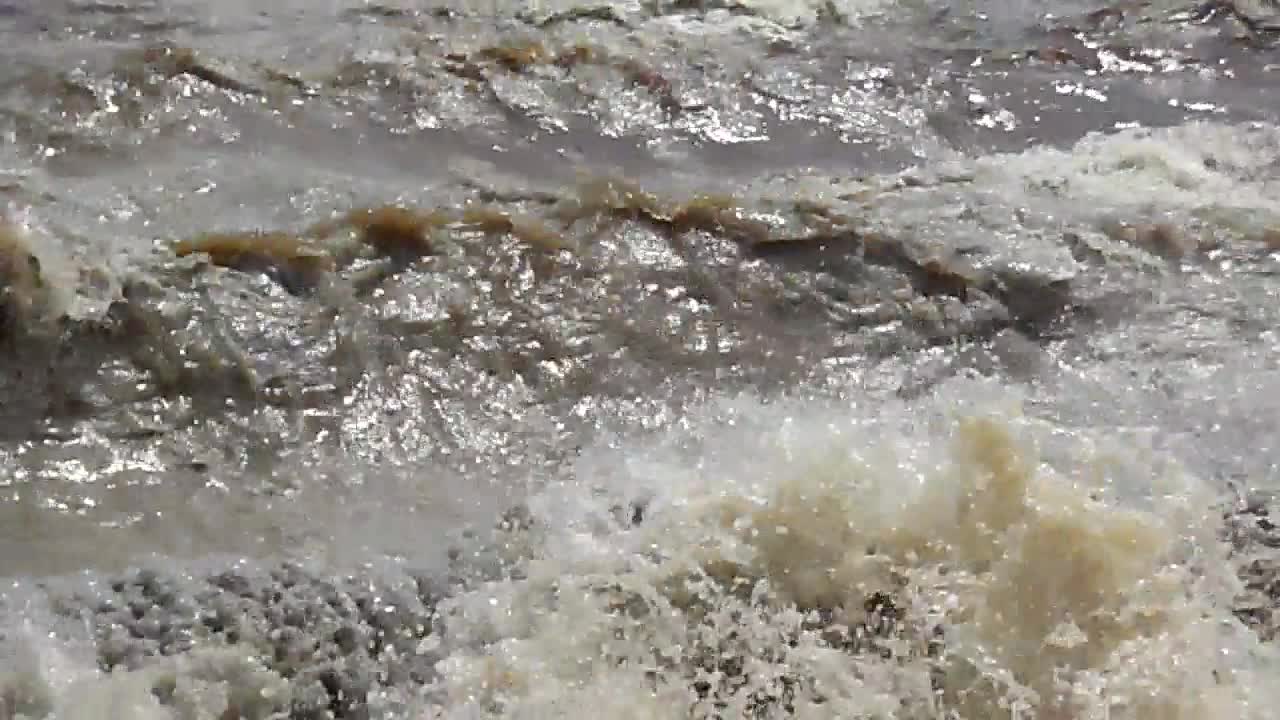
(727,359)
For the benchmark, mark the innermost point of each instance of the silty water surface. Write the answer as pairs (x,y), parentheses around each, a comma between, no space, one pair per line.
(835,359)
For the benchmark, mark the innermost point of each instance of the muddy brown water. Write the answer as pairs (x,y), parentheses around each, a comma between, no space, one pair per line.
(615,255)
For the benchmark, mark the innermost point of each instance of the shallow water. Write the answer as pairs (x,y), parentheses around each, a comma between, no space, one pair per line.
(884,359)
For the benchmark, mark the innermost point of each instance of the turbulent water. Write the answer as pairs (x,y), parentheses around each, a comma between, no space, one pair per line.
(670,359)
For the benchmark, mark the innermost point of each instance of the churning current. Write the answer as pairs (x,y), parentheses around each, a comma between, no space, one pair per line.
(663,359)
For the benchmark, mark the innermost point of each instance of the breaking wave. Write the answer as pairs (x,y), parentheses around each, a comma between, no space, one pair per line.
(798,558)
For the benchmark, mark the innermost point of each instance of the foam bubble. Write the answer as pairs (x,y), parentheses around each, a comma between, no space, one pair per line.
(875,563)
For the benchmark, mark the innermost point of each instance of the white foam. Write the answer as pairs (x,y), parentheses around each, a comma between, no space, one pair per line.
(1046,596)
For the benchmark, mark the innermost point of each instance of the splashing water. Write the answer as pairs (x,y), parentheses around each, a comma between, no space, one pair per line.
(797,558)
(904,567)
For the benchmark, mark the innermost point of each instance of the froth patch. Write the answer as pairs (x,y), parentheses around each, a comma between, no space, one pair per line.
(1195,164)
(205,683)
(1139,193)
(805,13)
(829,568)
